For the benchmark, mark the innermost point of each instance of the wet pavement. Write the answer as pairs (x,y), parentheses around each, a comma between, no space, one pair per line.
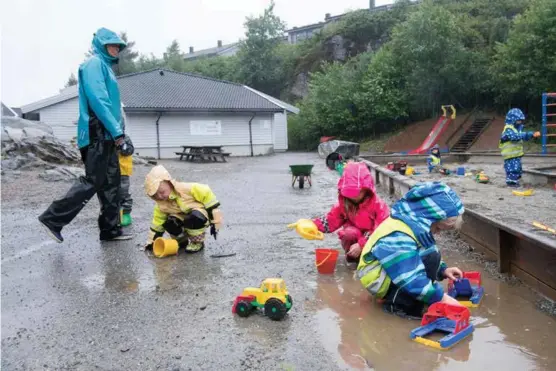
(87,305)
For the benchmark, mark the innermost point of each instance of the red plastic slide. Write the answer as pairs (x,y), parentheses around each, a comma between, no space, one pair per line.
(436,132)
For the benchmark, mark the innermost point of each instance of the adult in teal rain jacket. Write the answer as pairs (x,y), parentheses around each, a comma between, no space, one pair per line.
(99,137)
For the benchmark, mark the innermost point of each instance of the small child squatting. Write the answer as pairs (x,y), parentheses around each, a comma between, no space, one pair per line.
(184,210)
(401,264)
(358,212)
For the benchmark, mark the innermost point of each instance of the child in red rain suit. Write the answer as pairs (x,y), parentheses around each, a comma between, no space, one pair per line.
(358,212)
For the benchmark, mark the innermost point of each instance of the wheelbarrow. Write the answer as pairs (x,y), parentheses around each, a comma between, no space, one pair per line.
(301,173)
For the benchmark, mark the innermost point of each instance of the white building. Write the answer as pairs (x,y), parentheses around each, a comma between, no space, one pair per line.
(167,109)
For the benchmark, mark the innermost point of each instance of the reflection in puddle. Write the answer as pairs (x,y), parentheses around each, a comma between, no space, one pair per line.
(362,336)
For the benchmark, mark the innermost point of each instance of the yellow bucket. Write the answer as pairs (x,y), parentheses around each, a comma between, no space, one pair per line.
(163,247)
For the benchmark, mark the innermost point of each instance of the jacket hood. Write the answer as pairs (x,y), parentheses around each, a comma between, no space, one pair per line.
(153,179)
(425,204)
(514,115)
(356,176)
(104,37)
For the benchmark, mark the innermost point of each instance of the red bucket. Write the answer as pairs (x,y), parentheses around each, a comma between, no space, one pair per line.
(325,260)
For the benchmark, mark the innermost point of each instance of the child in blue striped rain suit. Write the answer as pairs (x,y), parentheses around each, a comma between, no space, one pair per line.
(401,264)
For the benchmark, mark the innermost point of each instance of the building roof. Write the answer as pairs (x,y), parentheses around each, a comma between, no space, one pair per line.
(17,110)
(7,111)
(288,107)
(169,90)
(65,94)
(210,51)
(166,90)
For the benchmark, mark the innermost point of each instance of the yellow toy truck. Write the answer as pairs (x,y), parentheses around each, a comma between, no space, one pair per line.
(272,296)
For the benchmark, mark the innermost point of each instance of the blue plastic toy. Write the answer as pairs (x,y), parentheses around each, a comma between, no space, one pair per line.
(467,290)
(449,319)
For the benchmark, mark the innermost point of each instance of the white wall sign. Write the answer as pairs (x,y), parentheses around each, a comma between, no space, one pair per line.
(205,127)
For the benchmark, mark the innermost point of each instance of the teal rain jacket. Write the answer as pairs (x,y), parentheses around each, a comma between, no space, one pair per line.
(98,89)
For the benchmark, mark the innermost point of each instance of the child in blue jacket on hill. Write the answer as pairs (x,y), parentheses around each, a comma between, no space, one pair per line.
(511,145)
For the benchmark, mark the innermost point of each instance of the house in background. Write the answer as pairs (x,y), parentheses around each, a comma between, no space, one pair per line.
(8,111)
(219,50)
(167,109)
(298,34)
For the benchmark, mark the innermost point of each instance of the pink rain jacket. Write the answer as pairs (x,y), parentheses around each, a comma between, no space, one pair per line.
(369,213)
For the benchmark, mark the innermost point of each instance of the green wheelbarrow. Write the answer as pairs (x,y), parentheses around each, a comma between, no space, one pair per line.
(301,173)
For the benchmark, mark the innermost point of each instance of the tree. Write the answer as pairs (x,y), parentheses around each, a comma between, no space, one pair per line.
(222,68)
(260,65)
(381,93)
(71,81)
(173,57)
(429,51)
(145,63)
(127,58)
(526,64)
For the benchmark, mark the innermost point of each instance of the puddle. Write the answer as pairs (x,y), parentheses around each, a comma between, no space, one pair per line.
(509,332)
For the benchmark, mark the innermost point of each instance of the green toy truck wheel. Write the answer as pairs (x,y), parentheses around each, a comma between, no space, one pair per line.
(275,309)
(244,309)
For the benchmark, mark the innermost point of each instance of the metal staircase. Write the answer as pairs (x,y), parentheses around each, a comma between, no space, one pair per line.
(471,135)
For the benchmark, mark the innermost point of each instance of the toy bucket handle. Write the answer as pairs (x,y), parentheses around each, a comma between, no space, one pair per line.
(324,260)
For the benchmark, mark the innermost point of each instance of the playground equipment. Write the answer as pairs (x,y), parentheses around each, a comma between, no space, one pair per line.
(301,173)
(467,290)
(547,124)
(272,296)
(437,130)
(445,318)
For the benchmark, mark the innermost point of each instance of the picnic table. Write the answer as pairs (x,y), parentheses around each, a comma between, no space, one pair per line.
(202,153)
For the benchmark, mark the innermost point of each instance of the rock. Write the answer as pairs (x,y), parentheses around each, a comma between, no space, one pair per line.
(34,132)
(139,161)
(28,144)
(13,163)
(14,134)
(300,87)
(19,123)
(62,173)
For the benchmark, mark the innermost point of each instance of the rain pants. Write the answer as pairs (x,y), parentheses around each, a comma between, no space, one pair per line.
(98,125)
(185,215)
(511,146)
(401,263)
(357,222)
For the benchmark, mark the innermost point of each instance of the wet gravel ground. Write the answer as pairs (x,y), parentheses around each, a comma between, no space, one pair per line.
(86,305)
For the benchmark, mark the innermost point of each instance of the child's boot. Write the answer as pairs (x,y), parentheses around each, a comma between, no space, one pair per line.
(126,219)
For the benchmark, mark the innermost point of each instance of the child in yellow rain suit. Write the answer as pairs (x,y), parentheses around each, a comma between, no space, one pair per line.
(126,202)
(126,170)
(184,210)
